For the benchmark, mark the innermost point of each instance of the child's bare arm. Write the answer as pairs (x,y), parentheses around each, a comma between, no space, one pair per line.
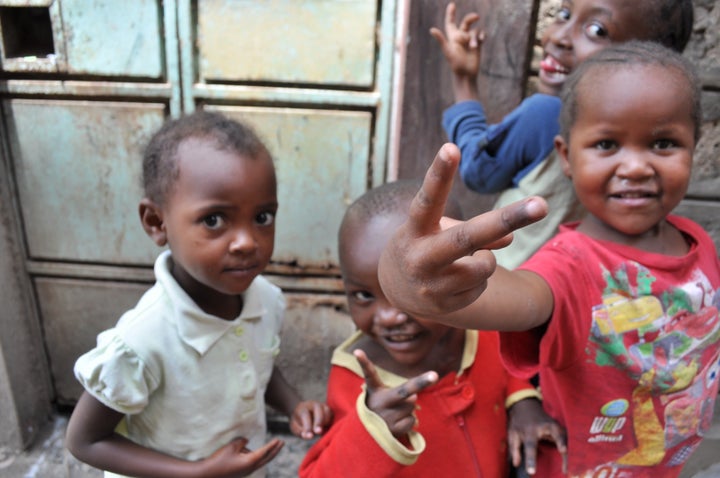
(307,417)
(92,439)
(461,45)
(396,406)
(527,425)
(444,274)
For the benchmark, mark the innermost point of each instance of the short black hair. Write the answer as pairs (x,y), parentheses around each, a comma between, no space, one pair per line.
(670,22)
(160,157)
(632,53)
(390,198)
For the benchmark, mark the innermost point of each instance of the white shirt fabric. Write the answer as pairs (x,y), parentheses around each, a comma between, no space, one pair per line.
(188,382)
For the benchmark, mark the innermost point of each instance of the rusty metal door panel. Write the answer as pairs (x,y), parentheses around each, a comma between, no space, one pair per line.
(74,312)
(113,38)
(292,41)
(77,166)
(322,159)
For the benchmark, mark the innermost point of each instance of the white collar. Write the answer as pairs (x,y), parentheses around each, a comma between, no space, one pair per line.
(197,328)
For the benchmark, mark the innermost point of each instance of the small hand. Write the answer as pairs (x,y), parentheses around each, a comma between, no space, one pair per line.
(528,423)
(427,271)
(394,405)
(310,418)
(234,459)
(460,43)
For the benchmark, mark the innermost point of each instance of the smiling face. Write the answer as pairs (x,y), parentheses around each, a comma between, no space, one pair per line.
(219,222)
(630,148)
(581,28)
(408,345)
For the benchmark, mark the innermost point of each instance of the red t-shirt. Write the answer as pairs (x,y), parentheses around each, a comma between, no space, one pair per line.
(629,360)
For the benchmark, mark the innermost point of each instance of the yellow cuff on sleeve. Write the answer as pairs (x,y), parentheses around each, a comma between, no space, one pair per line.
(522,395)
(378,429)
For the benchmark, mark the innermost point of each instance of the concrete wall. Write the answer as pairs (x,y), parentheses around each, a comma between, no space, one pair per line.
(25,391)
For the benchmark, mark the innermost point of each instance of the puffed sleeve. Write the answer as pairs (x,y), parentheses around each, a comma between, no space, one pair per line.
(115,375)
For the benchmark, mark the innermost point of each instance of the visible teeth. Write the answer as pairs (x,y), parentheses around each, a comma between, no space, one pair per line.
(634,195)
(401,338)
(555,75)
(551,66)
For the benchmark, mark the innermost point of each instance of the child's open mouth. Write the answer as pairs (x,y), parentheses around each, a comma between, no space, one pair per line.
(400,338)
(552,71)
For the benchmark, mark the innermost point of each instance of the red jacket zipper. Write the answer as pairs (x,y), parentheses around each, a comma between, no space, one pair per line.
(461,423)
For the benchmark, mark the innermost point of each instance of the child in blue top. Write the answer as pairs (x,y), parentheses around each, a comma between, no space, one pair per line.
(178,387)
(618,312)
(516,156)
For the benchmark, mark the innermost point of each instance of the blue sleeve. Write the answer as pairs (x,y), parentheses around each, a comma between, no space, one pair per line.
(498,156)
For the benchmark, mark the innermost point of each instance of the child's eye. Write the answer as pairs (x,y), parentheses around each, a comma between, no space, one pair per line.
(212,221)
(596,30)
(562,15)
(362,296)
(265,218)
(664,144)
(605,145)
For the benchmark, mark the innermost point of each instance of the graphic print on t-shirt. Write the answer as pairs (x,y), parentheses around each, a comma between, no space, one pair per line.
(665,339)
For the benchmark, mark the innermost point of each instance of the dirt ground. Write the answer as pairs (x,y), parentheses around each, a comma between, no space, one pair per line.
(49,459)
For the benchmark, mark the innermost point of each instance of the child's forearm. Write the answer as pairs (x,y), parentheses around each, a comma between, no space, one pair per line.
(119,455)
(280,395)
(465,88)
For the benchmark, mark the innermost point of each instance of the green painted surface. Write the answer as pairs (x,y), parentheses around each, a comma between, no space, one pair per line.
(117,38)
(310,41)
(77,167)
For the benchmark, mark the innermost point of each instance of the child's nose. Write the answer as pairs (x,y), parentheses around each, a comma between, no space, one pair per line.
(559,34)
(242,241)
(635,165)
(389,316)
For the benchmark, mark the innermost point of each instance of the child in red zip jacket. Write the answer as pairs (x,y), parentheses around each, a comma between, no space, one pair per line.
(412,397)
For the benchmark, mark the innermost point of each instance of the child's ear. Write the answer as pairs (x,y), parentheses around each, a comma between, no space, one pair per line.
(151,217)
(561,147)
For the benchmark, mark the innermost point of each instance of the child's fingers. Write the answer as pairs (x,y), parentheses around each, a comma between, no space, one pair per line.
(485,231)
(415,385)
(303,421)
(491,230)
(322,415)
(557,435)
(439,37)
(372,379)
(428,205)
(450,16)
(238,444)
(467,22)
(425,270)
(530,447)
(263,455)
(514,442)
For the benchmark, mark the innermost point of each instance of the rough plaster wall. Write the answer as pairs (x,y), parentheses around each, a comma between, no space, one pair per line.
(704,51)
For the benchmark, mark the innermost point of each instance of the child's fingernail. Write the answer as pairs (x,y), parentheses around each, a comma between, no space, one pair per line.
(534,207)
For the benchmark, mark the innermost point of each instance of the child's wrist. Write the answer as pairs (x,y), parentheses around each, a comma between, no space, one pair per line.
(465,88)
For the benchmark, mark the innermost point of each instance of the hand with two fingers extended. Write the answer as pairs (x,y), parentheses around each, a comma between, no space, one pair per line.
(310,418)
(460,42)
(528,425)
(235,460)
(429,271)
(396,406)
